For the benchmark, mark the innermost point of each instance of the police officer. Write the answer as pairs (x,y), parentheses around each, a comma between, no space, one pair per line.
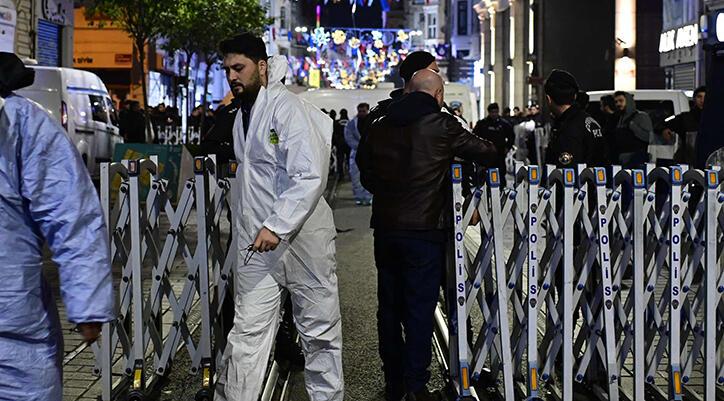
(497,130)
(576,137)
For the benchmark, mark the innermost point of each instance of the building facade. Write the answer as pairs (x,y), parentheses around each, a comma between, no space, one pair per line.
(681,52)
(38,29)
(463,32)
(507,37)
(428,17)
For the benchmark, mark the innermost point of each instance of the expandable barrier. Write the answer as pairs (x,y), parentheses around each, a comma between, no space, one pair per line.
(177,136)
(157,316)
(584,285)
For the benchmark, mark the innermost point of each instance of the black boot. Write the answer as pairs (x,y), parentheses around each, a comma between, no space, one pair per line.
(394,395)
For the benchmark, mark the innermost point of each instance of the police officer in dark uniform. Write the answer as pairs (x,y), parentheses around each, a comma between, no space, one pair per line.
(497,130)
(576,137)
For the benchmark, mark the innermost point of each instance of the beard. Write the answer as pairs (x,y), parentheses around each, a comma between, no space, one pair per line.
(248,92)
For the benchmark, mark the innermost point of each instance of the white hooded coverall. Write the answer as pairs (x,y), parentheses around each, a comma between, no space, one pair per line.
(282,173)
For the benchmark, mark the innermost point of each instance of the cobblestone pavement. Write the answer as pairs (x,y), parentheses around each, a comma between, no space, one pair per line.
(79,382)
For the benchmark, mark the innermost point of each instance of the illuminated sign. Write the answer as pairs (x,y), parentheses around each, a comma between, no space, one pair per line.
(720,27)
(681,38)
(478,74)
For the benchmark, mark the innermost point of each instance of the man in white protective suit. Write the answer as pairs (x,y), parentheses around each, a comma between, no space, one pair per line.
(286,229)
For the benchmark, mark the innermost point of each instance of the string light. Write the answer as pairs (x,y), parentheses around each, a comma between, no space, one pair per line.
(350,58)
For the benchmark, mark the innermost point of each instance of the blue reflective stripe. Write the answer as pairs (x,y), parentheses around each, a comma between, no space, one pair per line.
(78,89)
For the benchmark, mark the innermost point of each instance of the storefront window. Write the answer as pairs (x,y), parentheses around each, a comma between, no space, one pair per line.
(679,12)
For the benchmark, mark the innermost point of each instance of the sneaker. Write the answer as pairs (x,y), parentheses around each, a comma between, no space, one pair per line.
(358,202)
(424,395)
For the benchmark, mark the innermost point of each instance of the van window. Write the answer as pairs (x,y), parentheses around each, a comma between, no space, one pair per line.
(112,112)
(88,107)
(98,108)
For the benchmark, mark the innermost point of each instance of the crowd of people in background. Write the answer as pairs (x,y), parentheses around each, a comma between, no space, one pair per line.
(627,133)
(345,140)
(133,126)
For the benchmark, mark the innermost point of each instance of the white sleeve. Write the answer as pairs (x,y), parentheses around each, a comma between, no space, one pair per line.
(305,136)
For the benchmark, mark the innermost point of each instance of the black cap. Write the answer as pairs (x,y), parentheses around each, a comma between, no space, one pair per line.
(14,74)
(415,62)
(562,80)
(245,43)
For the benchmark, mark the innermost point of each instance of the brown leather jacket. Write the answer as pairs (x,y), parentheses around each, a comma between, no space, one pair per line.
(406,161)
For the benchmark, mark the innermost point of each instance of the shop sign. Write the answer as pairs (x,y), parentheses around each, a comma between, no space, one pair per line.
(681,38)
(58,11)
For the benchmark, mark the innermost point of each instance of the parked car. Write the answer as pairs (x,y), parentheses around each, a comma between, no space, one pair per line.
(80,102)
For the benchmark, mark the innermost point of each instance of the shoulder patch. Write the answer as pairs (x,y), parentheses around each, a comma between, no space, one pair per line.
(593,127)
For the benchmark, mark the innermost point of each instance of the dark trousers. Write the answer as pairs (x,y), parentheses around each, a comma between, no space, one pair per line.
(342,161)
(409,272)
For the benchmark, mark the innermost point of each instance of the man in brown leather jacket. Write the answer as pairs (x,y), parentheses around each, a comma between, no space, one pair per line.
(405,163)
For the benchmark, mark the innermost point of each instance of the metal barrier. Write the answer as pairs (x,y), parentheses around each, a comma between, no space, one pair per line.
(177,136)
(583,282)
(156,316)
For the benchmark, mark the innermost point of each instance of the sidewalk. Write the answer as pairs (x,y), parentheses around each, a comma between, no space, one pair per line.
(79,381)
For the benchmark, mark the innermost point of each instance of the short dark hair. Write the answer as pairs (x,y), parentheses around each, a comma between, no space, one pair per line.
(620,93)
(414,62)
(561,87)
(561,94)
(582,98)
(493,106)
(245,43)
(608,101)
(701,89)
(363,106)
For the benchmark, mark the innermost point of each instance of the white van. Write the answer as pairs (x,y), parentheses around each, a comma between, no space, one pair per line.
(660,105)
(456,94)
(80,102)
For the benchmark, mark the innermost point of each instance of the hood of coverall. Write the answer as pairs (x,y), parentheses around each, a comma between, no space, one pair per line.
(276,71)
(14,74)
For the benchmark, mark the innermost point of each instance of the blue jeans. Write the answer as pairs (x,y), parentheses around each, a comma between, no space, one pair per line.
(360,193)
(409,272)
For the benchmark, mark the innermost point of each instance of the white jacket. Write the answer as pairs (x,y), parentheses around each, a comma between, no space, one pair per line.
(283,167)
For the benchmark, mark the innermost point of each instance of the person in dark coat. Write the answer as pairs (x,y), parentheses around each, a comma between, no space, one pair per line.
(576,137)
(497,130)
(405,162)
(343,150)
(634,132)
(135,124)
(686,127)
